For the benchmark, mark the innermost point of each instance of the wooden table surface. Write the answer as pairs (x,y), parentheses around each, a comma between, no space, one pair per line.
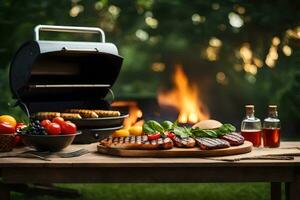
(99,168)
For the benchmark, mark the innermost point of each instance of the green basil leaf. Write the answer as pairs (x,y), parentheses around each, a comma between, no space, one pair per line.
(226,129)
(230,127)
(147,129)
(167,125)
(152,126)
(182,132)
(197,132)
(175,124)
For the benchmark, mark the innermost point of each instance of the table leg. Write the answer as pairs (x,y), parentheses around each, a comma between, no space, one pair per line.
(4,192)
(292,189)
(275,191)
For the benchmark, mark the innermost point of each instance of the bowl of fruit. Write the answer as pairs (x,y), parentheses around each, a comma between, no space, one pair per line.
(8,137)
(49,135)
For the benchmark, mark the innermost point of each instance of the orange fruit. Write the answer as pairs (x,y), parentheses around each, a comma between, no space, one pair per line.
(8,119)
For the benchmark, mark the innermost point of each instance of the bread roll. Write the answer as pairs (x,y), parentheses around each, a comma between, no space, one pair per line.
(208,124)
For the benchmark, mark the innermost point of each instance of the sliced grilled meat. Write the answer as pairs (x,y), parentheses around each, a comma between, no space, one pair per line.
(211,143)
(234,139)
(184,142)
(137,142)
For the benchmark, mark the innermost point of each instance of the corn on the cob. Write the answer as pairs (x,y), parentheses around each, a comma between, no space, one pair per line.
(84,113)
(45,115)
(107,113)
(70,115)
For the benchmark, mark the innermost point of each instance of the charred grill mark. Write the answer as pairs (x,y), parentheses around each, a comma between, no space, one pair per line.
(184,142)
(212,143)
(160,141)
(234,139)
(137,142)
(138,139)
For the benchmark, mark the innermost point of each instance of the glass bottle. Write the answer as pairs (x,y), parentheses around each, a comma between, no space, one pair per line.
(251,127)
(271,128)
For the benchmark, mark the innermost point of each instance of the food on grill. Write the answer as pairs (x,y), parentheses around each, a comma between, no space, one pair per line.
(184,142)
(107,113)
(137,143)
(70,116)
(234,139)
(121,133)
(84,113)
(206,143)
(45,115)
(208,124)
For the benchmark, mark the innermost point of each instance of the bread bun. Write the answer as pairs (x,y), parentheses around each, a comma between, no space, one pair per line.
(208,124)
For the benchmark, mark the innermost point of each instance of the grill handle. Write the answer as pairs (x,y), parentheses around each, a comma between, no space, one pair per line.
(68,29)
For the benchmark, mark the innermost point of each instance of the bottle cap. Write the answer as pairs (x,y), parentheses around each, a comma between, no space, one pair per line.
(249,109)
(272,108)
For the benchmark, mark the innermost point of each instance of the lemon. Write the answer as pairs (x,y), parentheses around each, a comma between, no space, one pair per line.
(136,130)
(121,133)
(8,119)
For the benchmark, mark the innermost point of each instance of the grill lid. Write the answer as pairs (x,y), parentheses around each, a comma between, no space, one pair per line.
(56,71)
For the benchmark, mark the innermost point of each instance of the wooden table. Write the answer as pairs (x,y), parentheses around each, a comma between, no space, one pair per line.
(97,168)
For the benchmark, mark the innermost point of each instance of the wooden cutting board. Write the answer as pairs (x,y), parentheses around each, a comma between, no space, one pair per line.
(177,152)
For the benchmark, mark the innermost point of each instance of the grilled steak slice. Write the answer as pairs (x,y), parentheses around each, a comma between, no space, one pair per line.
(184,142)
(137,142)
(211,143)
(234,139)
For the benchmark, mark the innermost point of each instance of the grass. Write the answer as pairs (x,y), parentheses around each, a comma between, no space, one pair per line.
(207,191)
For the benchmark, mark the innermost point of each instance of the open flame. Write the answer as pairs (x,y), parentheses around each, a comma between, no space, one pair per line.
(185,97)
(135,113)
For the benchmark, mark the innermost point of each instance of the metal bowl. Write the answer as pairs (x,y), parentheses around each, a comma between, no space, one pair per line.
(51,143)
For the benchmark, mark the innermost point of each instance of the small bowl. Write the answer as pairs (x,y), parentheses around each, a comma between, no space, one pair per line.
(51,143)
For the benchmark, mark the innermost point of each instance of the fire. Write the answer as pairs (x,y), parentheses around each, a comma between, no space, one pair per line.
(134,112)
(185,98)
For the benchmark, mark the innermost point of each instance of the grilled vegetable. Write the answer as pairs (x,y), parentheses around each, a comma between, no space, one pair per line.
(136,130)
(170,135)
(107,113)
(84,113)
(137,142)
(206,143)
(45,115)
(154,136)
(70,115)
(121,133)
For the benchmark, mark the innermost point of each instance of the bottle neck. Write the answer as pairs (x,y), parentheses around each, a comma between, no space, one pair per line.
(273,114)
(250,115)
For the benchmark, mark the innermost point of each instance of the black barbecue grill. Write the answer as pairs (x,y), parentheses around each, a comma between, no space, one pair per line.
(58,75)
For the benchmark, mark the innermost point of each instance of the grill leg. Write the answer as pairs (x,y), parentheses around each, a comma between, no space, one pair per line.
(275,191)
(4,192)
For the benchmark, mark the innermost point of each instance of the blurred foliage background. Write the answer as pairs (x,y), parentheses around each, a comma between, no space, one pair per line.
(237,52)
